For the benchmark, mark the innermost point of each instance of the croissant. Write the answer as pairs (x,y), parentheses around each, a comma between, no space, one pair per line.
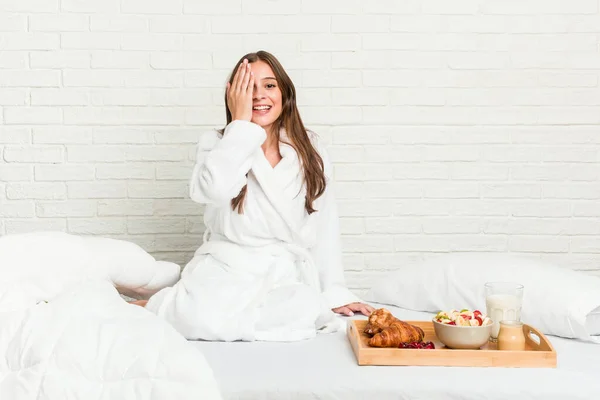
(397,333)
(378,321)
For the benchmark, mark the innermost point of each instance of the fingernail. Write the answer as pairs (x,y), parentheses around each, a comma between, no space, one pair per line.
(350,313)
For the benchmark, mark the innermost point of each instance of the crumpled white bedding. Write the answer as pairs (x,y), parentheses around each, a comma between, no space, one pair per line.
(325,368)
(66,333)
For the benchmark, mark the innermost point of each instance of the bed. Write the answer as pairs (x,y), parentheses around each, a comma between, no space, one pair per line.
(325,368)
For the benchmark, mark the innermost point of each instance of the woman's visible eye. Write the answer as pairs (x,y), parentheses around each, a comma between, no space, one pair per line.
(271,85)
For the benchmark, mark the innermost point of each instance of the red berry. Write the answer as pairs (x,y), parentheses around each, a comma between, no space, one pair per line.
(417,345)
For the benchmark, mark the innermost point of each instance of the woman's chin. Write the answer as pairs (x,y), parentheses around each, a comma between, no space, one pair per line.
(263,122)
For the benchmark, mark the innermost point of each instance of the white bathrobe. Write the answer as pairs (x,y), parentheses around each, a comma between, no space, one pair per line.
(271,273)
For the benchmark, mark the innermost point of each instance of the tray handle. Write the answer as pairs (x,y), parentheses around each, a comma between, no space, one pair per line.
(536,339)
(352,332)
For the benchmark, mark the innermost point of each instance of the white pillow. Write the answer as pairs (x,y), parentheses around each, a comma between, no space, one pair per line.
(556,300)
(43,264)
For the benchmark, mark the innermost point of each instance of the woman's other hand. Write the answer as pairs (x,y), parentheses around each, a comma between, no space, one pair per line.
(350,309)
(141,303)
(239,93)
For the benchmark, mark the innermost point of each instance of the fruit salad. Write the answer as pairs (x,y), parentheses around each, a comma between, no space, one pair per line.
(464,317)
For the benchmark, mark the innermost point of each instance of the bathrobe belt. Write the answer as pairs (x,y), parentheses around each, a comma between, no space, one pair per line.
(238,256)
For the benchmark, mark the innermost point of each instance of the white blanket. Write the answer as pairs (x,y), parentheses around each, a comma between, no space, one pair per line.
(66,333)
(272,273)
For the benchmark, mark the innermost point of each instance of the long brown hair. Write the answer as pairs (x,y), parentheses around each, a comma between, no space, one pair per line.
(312,163)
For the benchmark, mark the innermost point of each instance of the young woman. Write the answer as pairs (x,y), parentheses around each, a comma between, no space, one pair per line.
(270,266)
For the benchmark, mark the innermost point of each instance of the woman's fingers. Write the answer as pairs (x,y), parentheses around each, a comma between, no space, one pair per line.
(241,73)
(250,89)
(356,307)
(345,310)
(239,92)
(246,80)
(350,309)
(368,309)
(365,309)
(232,85)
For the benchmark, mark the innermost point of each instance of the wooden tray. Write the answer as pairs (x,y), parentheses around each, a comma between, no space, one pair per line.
(535,355)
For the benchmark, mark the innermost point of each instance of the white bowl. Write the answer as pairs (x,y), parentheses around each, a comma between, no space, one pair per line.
(462,337)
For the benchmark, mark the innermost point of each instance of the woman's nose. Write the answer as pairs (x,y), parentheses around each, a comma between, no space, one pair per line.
(258,93)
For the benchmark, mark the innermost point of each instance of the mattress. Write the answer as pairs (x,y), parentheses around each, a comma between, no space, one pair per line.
(325,368)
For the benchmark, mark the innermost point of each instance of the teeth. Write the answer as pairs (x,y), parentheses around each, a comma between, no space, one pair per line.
(262,107)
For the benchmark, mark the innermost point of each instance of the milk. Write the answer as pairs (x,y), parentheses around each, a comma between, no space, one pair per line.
(502,307)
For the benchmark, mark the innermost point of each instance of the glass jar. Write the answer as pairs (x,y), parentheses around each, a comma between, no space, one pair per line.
(503,302)
(511,336)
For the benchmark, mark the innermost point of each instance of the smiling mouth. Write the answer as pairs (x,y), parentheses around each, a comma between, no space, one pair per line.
(263,109)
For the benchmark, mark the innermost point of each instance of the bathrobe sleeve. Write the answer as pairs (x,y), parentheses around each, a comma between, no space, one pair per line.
(221,167)
(327,253)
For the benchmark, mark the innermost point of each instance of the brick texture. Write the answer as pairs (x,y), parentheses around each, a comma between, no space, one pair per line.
(471,126)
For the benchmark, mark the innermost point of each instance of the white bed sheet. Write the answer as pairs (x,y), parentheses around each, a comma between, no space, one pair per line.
(325,368)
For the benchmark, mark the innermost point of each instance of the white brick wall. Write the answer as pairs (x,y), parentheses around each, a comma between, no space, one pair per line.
(463,126)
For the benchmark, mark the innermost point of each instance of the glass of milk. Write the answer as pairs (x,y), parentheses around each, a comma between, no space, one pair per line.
(503,301)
